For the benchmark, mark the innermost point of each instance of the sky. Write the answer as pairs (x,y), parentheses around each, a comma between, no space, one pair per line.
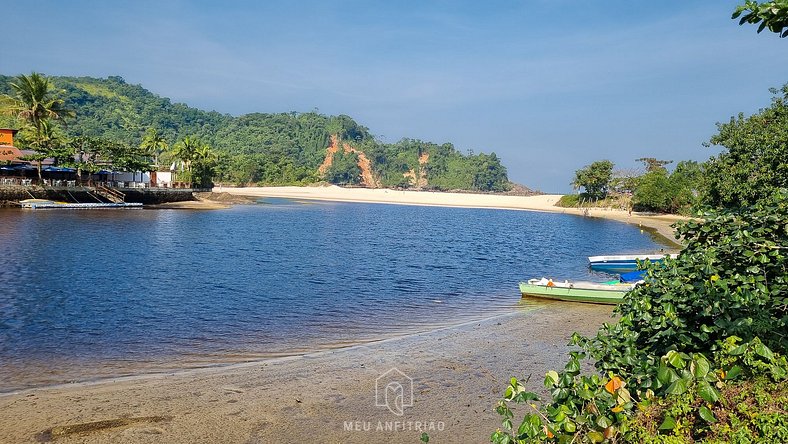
(548,85)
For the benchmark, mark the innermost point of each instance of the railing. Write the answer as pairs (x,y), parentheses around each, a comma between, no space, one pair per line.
(16,181)
(111,194)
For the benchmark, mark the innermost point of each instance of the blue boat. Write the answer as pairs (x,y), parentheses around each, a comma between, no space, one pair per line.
(624,262)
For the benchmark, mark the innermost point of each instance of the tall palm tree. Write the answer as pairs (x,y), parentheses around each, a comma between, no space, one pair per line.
(34,101)
(205,160)
(154,144)
(204,153)
(185,151)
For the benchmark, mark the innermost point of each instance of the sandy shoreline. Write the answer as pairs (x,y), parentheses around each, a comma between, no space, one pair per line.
(458,374)
(660,224)
(189,205)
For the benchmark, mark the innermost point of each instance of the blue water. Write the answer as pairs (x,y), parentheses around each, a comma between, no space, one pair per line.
(90,294)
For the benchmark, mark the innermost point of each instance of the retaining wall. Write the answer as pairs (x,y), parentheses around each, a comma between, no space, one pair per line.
(10,195)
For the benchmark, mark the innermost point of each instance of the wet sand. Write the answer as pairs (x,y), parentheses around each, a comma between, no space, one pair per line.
(660,224)
(190,205)
(205,201)
(458,374)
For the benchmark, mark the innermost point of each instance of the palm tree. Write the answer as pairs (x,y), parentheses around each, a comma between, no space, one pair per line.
(204,153)
(153,144)
(205,160)
(34,102)
(185,150)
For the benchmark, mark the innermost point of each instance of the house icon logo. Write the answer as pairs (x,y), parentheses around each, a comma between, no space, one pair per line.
(394,390)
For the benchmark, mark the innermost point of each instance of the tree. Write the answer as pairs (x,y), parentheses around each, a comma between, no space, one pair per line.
(204,166)
(50,143)
(686,179)
(625,180)
(755,162)
(126,158)
(772,15)
(344,170)
(281,147)
(653,164)
(595,178)
(489,174)
(153,144)
(668,193)
(86,153)
(34,102)
(676,344)
(654,192)
(185,150)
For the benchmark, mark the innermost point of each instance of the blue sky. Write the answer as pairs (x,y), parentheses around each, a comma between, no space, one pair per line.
(550,86)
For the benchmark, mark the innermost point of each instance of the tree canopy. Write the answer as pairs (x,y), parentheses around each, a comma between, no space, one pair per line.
(595,178)
(771,15)
(755,162)
(35,103)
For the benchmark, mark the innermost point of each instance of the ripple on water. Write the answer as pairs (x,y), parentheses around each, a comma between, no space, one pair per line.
(102,293)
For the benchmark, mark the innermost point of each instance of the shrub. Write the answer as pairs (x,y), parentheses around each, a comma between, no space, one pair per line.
(701,327)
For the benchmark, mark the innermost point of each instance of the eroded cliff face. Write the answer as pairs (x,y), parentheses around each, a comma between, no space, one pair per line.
(419,180)
(367,177)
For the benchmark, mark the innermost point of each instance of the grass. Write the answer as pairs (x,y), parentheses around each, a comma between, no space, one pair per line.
(613,200)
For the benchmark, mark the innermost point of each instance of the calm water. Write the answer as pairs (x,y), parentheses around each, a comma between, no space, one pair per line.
(89,294)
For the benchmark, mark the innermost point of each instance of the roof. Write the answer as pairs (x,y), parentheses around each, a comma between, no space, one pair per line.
(9,153)
(47,161)
(13,131)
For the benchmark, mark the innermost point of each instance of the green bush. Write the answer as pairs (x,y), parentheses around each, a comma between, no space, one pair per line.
(712,320)
(568,201)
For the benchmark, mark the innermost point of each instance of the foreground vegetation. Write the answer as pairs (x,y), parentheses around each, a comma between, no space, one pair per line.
(252,149)
(699,351)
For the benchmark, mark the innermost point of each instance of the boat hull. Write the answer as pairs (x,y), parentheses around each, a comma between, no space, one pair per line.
(40,204)
(622,263)
(610,296)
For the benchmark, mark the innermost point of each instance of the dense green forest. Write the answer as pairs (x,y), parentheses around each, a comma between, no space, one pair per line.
(264,149)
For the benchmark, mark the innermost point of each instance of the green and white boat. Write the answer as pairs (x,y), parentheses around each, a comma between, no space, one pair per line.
(592,292)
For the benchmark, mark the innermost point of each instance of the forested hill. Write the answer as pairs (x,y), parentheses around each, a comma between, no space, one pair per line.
(268,149)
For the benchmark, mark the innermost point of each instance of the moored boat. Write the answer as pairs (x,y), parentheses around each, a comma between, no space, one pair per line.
(623,262)
(37,204)
(597,293)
